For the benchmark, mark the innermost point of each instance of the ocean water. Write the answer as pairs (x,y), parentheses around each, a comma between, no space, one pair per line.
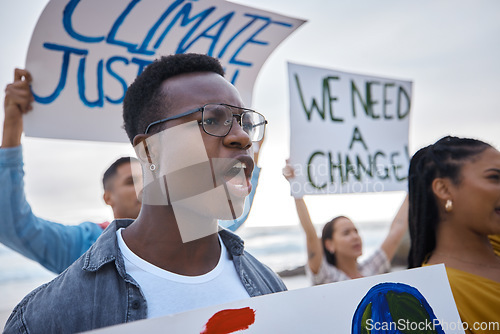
(284,247)
(280,247)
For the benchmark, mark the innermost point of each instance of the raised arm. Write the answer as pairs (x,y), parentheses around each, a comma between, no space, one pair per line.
(397,230)
(314,248)
(17,102)
(53,245)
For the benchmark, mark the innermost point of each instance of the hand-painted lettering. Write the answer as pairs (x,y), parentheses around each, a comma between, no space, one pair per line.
(223,32)
(356,137)
(99,102)
(327,100)
(115,75)
(328,168)
(403,98)
(67,52)
(68,24)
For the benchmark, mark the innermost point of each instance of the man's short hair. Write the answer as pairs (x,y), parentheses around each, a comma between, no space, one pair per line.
(113,169)
(144,103)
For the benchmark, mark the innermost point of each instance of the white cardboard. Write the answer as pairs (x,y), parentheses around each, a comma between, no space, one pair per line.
(329,127)
(326,308)
(118,38)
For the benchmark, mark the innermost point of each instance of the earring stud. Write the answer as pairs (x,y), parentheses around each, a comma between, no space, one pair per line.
(448,206)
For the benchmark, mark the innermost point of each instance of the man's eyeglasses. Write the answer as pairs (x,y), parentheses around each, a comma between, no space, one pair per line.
(217,120)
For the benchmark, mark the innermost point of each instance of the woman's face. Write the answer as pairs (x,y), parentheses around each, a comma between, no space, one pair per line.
(476,199)
(346,239)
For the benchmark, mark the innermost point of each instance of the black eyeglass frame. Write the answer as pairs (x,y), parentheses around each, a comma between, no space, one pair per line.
(202,109)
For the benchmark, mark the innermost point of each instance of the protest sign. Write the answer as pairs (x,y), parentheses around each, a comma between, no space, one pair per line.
(348,132)
(84,54)
(416,300)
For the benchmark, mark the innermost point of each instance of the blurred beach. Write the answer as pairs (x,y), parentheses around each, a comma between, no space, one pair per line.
(280,247)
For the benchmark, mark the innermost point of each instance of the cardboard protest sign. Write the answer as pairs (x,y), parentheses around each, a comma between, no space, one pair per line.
(84,54)
(348,132)
(412,300)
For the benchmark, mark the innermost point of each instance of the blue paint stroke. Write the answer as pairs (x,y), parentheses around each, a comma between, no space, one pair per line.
(222,23)
(252,39)
(143,48)
(142,63)
(182,15)
(117,77)
(111,39)
(81,85)
(64,70)
(186,20)
(68,26)
(376,300)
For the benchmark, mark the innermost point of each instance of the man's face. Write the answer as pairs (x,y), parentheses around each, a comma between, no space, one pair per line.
(191,91)
(121,195)
(203,173)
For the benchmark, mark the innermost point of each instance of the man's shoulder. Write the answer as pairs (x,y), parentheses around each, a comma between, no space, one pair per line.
(72,281)
(81,285)
(264,277)
(105,249)
(264,280)
(49,300)
(63,303)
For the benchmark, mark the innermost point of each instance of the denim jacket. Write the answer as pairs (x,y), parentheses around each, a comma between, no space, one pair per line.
(54,246)
(96,291)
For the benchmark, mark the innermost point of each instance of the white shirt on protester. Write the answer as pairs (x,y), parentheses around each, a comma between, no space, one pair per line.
(168,293)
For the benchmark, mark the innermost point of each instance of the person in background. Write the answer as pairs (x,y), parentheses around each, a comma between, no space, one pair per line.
(55,246)
(334,257)
(181,108)
(454,192)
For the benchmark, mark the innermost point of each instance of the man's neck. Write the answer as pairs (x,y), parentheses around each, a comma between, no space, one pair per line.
(154,236)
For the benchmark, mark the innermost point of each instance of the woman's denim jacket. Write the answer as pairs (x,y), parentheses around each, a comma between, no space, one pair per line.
(95,291)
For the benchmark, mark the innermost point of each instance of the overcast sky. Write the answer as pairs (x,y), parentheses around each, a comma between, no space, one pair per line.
(450,50)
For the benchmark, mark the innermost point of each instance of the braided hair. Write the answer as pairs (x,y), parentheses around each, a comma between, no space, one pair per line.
(445,158)
(327,234)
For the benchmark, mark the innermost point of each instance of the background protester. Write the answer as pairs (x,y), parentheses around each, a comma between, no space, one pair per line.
(334,257)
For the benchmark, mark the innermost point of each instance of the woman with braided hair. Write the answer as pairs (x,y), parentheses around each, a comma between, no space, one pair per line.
(454,193)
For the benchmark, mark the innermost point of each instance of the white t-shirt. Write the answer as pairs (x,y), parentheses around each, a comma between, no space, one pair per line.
(169,293)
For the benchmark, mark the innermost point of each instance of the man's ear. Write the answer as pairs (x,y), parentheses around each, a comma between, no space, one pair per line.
(441,189)
(142,148)
(107,198)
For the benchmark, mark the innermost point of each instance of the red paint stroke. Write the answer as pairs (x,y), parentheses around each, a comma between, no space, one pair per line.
(230,321)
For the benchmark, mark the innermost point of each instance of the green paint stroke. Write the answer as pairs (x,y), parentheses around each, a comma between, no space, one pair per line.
(367,314)
(405,308)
